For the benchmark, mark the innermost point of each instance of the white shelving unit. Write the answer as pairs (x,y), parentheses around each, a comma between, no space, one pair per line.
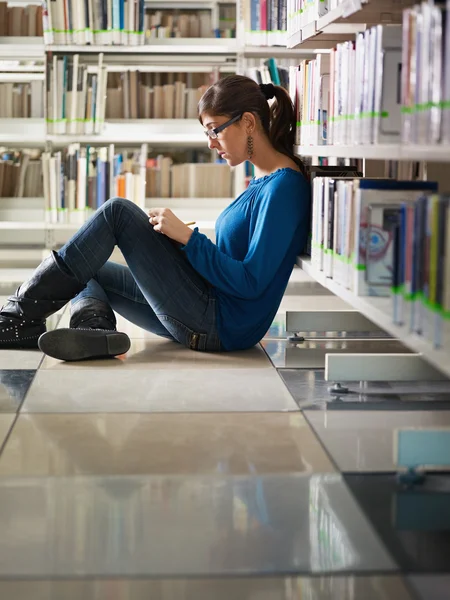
(21,48)
(379,310)
(27,133)
(379,152)
(160,132)
(165,46)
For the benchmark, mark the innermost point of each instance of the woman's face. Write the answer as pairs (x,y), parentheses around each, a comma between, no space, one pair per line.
(231,143)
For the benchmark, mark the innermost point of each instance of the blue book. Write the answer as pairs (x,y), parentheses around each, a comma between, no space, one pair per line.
(121,15)
(116,15)
(271,64)
(141,15)
(254,15)
(101,181)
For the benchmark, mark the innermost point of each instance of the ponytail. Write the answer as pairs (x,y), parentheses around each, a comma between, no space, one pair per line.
(282,125)
(236,94)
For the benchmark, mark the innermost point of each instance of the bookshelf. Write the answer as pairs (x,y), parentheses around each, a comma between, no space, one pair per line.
(22,59)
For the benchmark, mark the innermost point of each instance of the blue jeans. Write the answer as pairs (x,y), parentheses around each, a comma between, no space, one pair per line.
(159,290)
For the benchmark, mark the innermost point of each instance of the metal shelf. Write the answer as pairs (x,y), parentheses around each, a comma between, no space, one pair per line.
(172,132)
(158,46)
(22,132)
(379,311)
(379,152)
(22,48)
(273,52)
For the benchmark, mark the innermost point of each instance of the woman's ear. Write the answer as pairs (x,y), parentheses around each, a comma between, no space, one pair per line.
(249,121)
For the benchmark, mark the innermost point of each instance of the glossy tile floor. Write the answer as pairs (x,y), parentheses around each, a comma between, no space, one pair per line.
(172,475)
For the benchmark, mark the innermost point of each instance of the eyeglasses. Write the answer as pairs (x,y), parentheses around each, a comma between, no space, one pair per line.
(212,133)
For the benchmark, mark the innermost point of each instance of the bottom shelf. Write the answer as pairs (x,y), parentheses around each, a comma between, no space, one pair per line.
(378,310)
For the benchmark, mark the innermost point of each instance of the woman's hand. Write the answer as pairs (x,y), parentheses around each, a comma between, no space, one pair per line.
(164,221)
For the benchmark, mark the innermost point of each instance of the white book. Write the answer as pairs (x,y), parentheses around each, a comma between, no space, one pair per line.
(53,116)
(8,99)
(59,22)
(47,21)
(45,161)
(109,36)
(359,87)
(129,186)
(99,100)
(387,102)
(71,183)
(446,93)
(112,183)
(72,115)
(60,123)
(117,36)
(327,255)
(90,38)
(142,173)
(132,37)
(76,26)
(436,77)
(317,224)
(53,189)
(368,75)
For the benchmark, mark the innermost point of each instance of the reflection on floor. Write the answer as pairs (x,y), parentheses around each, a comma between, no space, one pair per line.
(174,475)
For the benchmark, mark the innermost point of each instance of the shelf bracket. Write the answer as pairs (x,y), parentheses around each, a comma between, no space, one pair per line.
(379,367)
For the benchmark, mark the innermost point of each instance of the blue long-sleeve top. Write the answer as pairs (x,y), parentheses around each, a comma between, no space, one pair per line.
(258,237)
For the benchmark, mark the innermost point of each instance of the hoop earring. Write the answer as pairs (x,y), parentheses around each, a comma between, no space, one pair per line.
(250,147)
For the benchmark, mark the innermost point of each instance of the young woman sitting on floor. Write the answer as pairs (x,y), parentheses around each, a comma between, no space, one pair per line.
(206,296)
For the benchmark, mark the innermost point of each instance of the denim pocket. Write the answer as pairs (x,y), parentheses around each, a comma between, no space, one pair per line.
(184,335)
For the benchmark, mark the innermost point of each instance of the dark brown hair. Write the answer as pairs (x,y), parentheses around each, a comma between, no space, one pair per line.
(236,94)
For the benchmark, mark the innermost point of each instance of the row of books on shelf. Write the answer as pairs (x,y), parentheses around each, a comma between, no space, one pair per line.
(22,100)
(80,179)
(20,174)
(265,22)
(75,97)
(270,71)
(302,12)
(374,91)
(79,97)
(20,21)
(381,237)
(128,22)
(135,95)
(164,179)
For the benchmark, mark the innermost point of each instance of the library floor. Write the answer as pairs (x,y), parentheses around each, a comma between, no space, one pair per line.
(172,475)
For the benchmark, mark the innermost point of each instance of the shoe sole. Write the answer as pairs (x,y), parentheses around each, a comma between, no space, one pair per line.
(82,344)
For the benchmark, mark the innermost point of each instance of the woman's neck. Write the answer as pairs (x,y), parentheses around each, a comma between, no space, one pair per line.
(267,160)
